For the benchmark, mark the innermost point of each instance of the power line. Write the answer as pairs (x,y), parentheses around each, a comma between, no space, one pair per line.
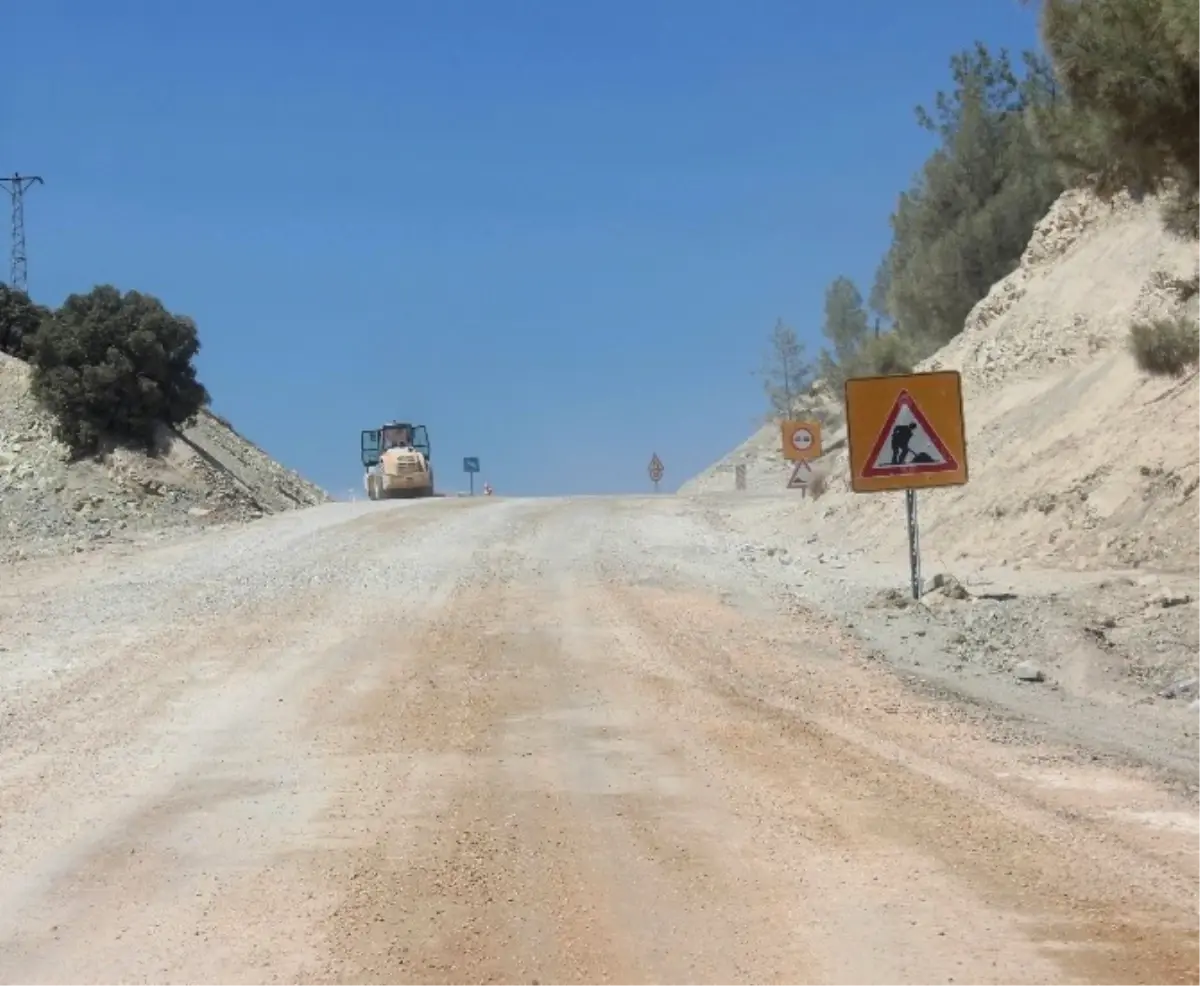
(18,271)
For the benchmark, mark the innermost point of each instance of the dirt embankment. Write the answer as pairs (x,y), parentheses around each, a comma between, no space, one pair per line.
(1078,459)
(206,474)
(1074,552)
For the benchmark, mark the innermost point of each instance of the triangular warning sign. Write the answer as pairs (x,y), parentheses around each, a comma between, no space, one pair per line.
(800,476)
(907,444)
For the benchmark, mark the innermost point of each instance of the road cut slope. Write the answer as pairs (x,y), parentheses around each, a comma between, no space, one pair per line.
(1078,460)
(204,475)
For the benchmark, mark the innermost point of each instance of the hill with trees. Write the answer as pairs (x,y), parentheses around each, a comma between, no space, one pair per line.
(1047,250)
(1111,106)
(106,432)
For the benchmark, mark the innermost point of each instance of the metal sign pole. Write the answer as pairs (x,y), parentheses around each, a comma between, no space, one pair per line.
(920,443)
(914,542)
(472,475)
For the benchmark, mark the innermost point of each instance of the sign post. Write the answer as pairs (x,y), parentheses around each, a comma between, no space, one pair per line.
(906,432)
(471,467)
(801,443)
(800,477)
(655,470)
(914,542)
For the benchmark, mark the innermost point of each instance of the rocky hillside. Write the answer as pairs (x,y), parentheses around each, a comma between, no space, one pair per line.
(207,474)
(1077,458)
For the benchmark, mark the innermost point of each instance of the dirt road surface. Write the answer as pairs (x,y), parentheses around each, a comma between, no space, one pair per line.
(532,741)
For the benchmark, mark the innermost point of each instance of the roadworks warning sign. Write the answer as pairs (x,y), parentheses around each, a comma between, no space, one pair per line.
(906,432)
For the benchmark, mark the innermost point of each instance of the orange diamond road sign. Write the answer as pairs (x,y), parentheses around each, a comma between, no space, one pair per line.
(801,440)
(906,432)
(656,468)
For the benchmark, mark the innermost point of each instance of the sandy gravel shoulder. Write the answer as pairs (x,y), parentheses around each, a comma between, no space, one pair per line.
(556,741)
(1117,651)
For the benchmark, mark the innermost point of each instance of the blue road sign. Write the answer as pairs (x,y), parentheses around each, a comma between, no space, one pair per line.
(471,464)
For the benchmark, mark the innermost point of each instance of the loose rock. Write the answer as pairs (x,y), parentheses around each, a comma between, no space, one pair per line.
(1028,671)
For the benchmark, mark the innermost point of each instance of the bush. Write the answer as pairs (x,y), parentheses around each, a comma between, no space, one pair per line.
(1166,346)
(112,366)
(886,354)
(19,322)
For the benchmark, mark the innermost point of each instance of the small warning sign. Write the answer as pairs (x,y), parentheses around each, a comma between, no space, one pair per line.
(908,445)
(655,468)
(801,439)
(800,476)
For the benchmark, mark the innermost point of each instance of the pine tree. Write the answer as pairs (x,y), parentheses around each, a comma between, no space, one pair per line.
(1130,113)
(846,324)
(786,372)
(967,218)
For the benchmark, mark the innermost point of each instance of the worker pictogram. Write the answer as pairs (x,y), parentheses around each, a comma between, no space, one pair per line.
(801,439)
(907,444)
(905,432)
(800,476)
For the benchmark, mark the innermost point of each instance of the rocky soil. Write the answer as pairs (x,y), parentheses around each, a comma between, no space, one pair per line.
(1108,655)
(1082,501)
(205,475)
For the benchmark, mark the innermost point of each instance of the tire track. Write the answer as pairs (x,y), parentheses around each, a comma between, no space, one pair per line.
(815,744)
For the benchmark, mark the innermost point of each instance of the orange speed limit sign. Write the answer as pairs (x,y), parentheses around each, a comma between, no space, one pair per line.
(801,440)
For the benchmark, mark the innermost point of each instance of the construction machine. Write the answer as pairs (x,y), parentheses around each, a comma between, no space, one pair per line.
(397,461)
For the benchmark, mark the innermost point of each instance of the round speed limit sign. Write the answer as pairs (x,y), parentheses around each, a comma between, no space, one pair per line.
(802,439)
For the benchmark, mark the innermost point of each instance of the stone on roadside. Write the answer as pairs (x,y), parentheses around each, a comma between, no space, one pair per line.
(1182,688)
(1028,671)
(948,586)
(890,599)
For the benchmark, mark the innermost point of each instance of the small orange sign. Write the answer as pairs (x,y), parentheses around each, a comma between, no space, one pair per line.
(906,432)
(801,440)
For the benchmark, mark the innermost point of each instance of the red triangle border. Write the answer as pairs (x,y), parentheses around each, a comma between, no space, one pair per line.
(871,471)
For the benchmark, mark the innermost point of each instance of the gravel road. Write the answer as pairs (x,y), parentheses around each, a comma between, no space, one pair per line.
(532,741)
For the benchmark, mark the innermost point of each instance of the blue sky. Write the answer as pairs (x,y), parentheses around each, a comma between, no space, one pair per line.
(556,233)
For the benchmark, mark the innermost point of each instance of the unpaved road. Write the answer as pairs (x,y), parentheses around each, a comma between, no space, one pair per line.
(530,741)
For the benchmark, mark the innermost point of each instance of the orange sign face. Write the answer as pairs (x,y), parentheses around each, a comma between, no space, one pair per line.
(801,440)
(906,432)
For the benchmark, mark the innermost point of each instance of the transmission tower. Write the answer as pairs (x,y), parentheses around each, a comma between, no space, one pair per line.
(18,271)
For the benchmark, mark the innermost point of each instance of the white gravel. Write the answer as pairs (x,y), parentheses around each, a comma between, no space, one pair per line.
(242,755)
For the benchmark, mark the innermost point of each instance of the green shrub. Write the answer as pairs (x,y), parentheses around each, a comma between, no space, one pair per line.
(19,321)
(1166,346)
(1186,288)
(1180,211)
(886,354)
(113,367)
